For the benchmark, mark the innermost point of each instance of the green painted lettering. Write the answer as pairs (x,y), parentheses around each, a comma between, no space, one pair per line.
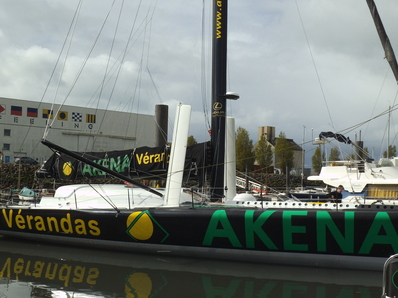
(97,172)
(255,227)
(324,221)
(289,230)
(126,163)
(220,217)
(87,170)
(381,220)
(115,164)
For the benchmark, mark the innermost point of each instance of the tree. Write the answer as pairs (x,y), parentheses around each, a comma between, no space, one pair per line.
(191,141)
(392,151)
(264,154)
(244,150)
(317,160)
(334,154)
(284,153)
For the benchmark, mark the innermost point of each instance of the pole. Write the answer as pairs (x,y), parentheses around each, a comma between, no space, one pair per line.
(161,120)
(302,160)
(219,78)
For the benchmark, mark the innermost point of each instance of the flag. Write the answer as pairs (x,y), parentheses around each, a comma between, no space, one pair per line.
(48,114)
(2,109)
(62,115)
(90,118)
(32,112)
(15,110)
(77,117)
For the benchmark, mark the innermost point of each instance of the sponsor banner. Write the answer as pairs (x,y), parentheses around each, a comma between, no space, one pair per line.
(143,162)
(196,159)
(118,161)
(148,160)
(67,167)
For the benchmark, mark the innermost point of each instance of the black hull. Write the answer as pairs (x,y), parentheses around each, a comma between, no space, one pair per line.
(337,239)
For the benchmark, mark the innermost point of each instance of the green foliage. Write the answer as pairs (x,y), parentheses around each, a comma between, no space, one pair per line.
(317,160)
(264,154)
(191,141)
(392,151)
(244,150)
(284,153)
(334,154)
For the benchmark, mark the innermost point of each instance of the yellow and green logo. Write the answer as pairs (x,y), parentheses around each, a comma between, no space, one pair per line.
(67,168)
(141,226)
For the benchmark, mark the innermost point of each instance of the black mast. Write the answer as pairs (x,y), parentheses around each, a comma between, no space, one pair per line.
(385,41)
(219,82)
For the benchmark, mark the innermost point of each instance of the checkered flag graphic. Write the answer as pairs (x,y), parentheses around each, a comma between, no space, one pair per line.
(77,117)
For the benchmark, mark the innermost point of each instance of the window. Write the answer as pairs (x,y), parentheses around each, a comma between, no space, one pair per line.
(6,146)
(7,132)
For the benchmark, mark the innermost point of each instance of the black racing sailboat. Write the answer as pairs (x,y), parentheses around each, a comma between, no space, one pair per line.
(349,235)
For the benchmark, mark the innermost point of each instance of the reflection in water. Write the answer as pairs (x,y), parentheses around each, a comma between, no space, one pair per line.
(37,270)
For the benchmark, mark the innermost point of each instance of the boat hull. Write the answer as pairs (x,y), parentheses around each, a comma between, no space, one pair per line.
(310,197)
(325,238)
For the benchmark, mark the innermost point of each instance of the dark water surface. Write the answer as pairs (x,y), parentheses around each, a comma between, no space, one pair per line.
(43,270)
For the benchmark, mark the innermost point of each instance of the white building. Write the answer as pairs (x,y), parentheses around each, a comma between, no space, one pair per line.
(22,126)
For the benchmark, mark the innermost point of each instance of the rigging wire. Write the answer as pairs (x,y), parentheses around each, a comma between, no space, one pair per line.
(105,75)
(77,11)
(162,132)
(51,112)
(87,56)
(315,67)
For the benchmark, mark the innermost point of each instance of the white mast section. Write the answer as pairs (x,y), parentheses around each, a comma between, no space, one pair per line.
(230,161)
(177,155)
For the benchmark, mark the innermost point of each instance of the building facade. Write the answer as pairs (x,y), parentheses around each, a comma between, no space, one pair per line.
(269,133)
(24,123)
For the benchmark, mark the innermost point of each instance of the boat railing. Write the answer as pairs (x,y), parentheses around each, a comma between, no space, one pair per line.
(390,271)
(337,163)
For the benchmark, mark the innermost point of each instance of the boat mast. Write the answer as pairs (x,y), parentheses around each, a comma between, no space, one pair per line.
(218,95)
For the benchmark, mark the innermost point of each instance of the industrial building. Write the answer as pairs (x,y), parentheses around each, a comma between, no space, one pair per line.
(23,123)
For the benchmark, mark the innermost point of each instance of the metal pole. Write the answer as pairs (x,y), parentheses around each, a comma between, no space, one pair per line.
(161,121)
(219,78)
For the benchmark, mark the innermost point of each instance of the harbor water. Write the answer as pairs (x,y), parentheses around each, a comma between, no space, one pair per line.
(29,269)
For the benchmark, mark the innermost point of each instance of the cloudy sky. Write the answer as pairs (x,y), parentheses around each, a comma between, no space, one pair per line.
(302,66)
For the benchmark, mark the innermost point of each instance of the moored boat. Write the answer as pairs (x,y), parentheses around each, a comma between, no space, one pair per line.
(27,194)
(353,234)
(365,182)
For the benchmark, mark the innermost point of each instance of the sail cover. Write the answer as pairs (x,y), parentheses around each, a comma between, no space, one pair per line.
(337,136)
(385,41)
(142,162)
